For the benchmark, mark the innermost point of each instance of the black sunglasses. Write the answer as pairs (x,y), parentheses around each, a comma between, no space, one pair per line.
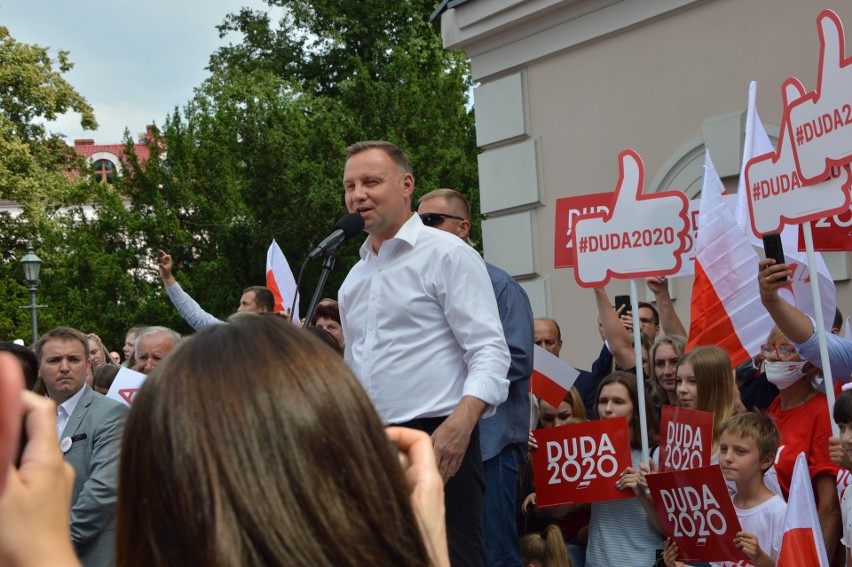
(436,219)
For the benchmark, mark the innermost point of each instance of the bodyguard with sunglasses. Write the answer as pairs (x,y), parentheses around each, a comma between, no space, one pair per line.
(423,334)
(503,438)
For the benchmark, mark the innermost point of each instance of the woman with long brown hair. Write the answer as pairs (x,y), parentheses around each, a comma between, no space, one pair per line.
(252,444)
(705,382)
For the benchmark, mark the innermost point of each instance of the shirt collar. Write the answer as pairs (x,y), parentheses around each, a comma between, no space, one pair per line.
(71,403)
(408,233)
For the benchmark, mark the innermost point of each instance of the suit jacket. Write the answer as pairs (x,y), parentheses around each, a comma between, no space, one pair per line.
(95,429)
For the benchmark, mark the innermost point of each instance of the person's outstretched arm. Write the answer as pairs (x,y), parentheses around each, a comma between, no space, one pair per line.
(188,308)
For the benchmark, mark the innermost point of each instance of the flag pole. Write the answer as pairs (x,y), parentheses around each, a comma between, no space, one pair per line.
(640,373)
(820,323)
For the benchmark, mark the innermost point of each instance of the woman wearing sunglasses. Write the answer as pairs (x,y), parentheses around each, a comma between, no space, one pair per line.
(800,410)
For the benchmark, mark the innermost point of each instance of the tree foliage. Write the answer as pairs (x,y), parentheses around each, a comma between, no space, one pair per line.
(34,163)
(257,154)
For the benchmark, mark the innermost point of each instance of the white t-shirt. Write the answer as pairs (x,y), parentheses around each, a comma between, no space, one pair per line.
(846,511)
(766,521)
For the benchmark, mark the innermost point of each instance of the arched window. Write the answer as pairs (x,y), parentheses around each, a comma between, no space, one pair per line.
(104,170)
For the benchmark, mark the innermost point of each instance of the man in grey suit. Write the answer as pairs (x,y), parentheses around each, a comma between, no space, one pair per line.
(89,427)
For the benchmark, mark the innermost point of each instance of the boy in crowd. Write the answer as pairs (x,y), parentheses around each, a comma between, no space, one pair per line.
(841,452)
(747,448)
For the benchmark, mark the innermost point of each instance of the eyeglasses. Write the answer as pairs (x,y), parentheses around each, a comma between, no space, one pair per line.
(436,219)
(783,350)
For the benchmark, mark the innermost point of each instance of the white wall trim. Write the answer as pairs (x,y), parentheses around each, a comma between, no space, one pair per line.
(505,35)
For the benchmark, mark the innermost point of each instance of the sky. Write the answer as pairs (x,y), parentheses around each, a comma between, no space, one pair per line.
(134,61)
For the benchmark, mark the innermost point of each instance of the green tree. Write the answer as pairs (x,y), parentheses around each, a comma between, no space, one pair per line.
(292,94)
(256,154)
(34,162)
(383,63)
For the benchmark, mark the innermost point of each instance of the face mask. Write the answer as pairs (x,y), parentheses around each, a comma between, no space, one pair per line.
(784,374)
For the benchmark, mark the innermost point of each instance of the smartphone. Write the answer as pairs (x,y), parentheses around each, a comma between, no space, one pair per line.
(622,300)
(772,248)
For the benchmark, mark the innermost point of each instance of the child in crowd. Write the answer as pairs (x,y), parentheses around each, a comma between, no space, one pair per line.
(573,521)
(843,418)
(747,448)
(545,549)
(705,381)
(634,520)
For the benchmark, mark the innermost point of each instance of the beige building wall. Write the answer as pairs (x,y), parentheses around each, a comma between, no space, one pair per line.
(564,86)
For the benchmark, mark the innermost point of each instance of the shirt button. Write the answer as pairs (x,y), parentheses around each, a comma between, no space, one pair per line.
(373,298)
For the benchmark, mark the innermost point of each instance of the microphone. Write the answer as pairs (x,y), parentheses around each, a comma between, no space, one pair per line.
(347,227)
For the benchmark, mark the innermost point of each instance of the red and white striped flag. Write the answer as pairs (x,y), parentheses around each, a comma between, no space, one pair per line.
(280,280)
(803,543)
(726,309)
(551,378)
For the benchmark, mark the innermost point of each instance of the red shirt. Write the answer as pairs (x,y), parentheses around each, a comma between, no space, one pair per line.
(803,428)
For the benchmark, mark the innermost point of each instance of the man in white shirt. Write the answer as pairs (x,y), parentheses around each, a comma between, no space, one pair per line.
(89,427)
(422,331)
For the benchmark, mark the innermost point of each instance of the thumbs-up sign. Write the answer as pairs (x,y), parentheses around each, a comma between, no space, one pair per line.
(821,121)
(640,236)
(778,196)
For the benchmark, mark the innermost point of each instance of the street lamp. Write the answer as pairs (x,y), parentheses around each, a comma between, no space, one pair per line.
(32,266)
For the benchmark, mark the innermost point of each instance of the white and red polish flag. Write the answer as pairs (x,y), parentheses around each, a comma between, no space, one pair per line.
(280,280)
(798,293)
(551,378)
(756,143)
(726,309)
(803,543)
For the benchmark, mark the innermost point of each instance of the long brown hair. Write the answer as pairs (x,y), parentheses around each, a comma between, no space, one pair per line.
(545,549)
(628,380)
(714,378)
(253,444)
(678,345)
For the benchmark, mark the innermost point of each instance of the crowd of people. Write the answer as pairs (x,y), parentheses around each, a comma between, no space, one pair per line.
(396,429)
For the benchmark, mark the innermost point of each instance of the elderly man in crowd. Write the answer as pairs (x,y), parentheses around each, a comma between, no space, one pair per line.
(152,346)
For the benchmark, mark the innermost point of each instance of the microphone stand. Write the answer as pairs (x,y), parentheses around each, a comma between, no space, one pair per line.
(327,266)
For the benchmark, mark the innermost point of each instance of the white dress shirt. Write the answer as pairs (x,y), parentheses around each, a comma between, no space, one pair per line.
(64,411)
(421,325)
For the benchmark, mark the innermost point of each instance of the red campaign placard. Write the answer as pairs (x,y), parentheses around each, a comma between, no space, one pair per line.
(580,463)
(686,438)
(567,210)
(831,234)
(643,235)
(696,511)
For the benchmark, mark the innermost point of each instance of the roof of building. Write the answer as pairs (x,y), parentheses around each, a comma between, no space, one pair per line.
(87,148)
(445,5)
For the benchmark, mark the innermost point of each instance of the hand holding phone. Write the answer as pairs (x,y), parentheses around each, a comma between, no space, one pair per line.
(622,300)
(772,248)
